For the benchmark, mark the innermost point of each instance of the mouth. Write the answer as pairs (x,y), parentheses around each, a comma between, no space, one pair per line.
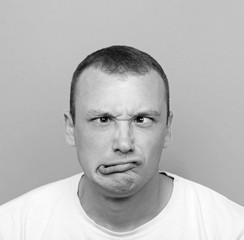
(117,168)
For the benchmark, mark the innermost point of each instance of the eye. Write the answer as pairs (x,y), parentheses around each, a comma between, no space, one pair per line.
(102,121)
(139,119)
(143,121)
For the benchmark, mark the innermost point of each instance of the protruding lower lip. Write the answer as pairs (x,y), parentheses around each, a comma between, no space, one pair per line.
(117,168)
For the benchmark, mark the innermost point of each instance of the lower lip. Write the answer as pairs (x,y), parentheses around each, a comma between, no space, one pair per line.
(119,168)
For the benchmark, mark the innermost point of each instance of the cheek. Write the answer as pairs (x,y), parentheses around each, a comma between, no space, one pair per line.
(151,145)
(90,147)
(87,139)
(154,151)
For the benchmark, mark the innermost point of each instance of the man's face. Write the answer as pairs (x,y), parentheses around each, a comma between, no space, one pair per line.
(120,130)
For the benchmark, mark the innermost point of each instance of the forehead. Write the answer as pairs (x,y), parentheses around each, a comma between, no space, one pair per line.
(98,89)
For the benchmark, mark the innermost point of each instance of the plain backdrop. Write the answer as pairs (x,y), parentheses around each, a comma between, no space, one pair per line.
(200,45)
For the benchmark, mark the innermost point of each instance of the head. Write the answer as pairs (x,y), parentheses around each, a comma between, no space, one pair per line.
(119,60)
(119,119)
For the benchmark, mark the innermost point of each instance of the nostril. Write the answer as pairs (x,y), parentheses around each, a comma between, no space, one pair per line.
(124,150)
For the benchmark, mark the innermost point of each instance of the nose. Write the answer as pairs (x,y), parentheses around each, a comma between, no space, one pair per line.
(123,141)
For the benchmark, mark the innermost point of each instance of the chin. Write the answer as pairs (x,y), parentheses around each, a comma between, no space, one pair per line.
(120,187)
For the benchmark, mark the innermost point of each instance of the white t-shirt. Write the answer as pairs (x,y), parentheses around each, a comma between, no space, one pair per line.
(53,212)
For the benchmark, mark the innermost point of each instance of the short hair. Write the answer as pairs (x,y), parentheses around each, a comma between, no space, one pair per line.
(118,60)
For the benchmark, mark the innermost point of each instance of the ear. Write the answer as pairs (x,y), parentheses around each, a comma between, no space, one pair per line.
(168,134)
(69,129)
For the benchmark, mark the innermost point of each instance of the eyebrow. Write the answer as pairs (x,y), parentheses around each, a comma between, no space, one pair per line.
(140,113)
(147,113)
(98,112)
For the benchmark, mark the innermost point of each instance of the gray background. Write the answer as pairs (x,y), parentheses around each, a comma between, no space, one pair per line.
(198,43)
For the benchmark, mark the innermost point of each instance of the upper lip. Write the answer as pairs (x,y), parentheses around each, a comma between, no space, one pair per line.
(136,161)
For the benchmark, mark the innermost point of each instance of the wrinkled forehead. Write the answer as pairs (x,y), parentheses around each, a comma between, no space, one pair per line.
(120,92)
(94,76)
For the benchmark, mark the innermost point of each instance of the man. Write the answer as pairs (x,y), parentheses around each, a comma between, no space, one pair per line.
(119,121)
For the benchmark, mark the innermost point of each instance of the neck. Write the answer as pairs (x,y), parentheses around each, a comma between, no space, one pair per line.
(126,213)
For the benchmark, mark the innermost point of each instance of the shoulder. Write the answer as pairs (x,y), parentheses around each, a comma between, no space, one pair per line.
(37,200)
(216,210)
(33,210)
